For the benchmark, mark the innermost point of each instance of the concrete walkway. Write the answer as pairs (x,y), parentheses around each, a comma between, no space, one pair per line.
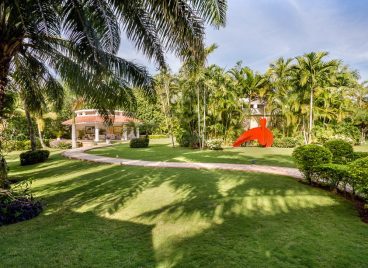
(80,154)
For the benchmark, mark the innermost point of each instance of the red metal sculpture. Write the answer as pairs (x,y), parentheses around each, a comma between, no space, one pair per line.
(262,134)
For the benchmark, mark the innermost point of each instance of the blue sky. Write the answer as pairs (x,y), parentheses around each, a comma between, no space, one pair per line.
(259,31)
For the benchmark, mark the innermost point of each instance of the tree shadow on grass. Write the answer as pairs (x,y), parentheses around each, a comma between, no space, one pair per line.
(212,219)
(76,240)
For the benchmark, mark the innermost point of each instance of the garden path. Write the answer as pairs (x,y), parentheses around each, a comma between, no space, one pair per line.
(80,154)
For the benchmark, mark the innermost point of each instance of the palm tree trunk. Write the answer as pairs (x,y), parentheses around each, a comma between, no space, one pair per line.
(199,120)
(31,132)
(168,115)
(4,71)
(40,137)
(310,117)
(204,117)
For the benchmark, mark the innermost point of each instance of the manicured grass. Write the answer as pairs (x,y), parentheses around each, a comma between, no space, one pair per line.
(161,150)
(118,216)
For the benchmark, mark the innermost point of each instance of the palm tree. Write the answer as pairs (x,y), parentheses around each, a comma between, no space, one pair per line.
(314,73)
(248,82)
(78,40)
(164,87)
(195,72)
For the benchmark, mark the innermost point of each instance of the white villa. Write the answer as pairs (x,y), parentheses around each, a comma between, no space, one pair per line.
(90,126)
(258,110)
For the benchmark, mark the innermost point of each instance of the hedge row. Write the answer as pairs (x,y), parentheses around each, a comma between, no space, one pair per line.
(335,165)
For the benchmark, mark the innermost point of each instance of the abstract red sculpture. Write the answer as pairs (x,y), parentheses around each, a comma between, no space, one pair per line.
(262,134)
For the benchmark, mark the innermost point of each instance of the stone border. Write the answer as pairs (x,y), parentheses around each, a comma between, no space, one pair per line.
(79,154)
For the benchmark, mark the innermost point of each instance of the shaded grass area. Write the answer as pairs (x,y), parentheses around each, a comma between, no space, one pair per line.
(161,150)
(114,216)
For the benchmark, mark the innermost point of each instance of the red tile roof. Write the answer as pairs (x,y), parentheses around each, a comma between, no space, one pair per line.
(85,119)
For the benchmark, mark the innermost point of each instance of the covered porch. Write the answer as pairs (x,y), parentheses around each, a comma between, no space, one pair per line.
(88,126)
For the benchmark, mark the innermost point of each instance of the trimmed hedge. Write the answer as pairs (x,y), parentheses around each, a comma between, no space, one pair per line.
(359,175)
(285,142)
(306,157)
(141,142)
(33,157)
(358,155)
(342,151)
(331,174)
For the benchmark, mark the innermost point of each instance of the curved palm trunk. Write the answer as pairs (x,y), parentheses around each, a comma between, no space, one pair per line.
(32,136)
(41,138)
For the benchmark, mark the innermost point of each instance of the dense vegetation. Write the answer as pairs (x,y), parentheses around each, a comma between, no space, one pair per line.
(307,99)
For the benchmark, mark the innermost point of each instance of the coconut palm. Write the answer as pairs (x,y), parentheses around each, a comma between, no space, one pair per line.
(78,40)
(314,73)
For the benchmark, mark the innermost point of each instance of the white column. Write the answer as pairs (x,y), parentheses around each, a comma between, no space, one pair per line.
(97,134)
(74,136)
(137,132)
(125,133)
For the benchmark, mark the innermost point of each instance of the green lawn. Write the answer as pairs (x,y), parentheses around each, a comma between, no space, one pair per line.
(119,216)
(161,150)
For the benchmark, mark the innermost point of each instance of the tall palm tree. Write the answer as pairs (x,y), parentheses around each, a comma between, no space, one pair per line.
(78,40)
(314,73)
(164,87)
(195,72)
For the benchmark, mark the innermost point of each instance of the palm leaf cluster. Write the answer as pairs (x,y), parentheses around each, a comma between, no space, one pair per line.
(76,41)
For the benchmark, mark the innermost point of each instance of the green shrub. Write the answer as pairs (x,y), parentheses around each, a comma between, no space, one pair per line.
(61,144)
(33,157)
(286,142)
(357,155)
(141,142)
(359,176)
(342,151)
(214,144)
(188,140)
(19,145)
(307,157)
(330,173)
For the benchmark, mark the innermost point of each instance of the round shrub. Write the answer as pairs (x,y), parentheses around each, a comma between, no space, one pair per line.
(342,151)
(306,157)
(33,157)
(285,142)
(359,175)
(141,142)
(214,144)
